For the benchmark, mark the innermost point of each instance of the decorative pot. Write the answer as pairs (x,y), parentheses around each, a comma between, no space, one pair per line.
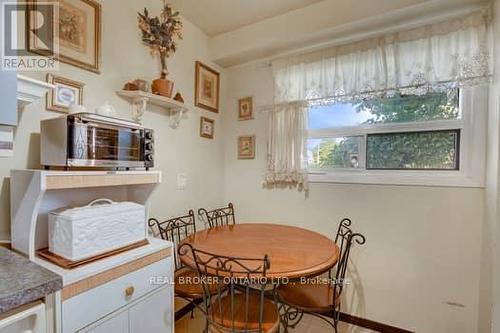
(162,87)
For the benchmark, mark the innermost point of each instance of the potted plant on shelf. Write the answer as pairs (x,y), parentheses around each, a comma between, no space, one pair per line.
(161,35)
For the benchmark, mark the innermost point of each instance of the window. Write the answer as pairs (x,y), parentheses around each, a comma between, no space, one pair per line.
(410,139)
(432,150)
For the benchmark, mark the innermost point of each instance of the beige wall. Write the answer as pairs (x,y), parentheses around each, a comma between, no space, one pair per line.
(419,267)
(177,150)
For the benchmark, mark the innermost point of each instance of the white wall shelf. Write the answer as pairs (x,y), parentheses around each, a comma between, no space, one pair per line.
(140,99)
(30,90)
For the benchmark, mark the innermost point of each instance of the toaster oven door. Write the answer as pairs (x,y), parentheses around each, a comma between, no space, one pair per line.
(104,145)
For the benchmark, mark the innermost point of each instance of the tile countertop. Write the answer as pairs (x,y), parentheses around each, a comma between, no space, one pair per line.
(23,281)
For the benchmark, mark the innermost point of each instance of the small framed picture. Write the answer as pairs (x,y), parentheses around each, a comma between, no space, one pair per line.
(207,128)
(246,147)
(66,93)
(245,108)
(207,86)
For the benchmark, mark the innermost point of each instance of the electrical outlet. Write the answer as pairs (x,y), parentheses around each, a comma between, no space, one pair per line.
(181,181)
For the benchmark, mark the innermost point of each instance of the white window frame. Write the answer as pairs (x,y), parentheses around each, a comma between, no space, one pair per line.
(473,107)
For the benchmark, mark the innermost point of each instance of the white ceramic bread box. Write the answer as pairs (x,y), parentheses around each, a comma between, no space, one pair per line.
(101,226)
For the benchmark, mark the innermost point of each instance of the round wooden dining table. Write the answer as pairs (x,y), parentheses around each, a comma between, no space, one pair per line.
(293,252)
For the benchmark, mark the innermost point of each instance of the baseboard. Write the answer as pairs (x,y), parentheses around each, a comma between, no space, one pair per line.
(370,324)
(5,244)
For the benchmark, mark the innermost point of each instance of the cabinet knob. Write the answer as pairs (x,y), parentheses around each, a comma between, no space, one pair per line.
(129,291)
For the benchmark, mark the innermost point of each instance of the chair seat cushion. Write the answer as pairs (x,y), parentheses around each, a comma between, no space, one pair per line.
(188,284)
(222,321)
(316,297)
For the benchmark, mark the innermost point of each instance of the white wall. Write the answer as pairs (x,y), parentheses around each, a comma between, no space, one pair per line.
(125,58)
(419,267)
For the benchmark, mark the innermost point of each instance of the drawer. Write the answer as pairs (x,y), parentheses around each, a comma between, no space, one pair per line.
(85,308)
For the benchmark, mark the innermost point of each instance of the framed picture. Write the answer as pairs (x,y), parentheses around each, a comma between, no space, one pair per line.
(245,108)
(207,86)
(77,33)
(66,93)
(207,128)
(246,147)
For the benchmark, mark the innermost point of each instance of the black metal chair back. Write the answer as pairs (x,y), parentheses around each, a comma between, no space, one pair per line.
(244,293)
(218,217)
(345,238)
(343,232)
(341,268)
(175,230)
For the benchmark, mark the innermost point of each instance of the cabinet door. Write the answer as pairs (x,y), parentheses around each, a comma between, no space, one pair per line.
(113,324)
(8,91)
(154,314)
(8,98)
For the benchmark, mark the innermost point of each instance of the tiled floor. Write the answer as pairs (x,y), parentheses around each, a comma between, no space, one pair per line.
(307,325)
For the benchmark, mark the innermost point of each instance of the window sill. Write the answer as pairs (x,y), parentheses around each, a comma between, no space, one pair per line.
(398,177)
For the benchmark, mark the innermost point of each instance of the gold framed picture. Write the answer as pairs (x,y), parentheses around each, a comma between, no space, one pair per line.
(77,33)
(245,108)
(207,127)
(66,93)
(207,86)
(246,147)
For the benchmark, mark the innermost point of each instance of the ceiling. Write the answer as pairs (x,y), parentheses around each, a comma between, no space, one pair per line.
(215,17)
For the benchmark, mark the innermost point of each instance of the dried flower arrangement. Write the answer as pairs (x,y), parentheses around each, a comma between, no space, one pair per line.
(161,34)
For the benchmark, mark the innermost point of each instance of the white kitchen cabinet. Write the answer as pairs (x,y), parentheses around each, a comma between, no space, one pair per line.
(113,323)
(8,82)
(151,314)
(88,307)
(8,98)
(117,294)
(96,303)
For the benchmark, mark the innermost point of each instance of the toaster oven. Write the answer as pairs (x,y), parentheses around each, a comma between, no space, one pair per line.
(86,140)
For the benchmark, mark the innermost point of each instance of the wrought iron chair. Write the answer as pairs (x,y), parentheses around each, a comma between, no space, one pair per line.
(243,305)
(218,217)
(321,299)
(186,285)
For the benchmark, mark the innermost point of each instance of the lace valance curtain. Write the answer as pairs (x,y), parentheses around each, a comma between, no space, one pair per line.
(435,57)
(452,53)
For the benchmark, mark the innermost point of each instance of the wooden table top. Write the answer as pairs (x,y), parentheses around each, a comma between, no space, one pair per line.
(293,252)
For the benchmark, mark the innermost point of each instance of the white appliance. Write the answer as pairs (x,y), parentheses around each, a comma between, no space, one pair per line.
(101,226)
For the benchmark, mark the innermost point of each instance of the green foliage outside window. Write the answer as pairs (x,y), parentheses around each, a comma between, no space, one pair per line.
(407,109)
(418,150)
(336,153)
